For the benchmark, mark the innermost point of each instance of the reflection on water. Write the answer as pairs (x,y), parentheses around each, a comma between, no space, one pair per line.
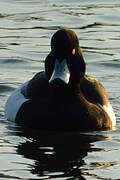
(57,155)
(26,27)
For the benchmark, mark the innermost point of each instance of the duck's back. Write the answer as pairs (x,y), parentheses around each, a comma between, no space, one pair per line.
(92,89)
(37,86)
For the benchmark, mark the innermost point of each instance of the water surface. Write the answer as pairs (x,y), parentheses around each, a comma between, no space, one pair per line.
(26,27)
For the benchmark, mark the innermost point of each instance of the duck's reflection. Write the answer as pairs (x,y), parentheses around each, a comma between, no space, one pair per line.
(57,154)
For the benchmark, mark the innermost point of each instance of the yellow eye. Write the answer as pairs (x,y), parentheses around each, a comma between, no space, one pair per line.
(73,51)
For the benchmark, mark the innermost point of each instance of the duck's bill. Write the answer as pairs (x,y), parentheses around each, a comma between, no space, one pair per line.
(60,72)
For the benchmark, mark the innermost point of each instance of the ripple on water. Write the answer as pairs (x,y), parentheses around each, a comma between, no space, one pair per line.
(26,29)
(5,88)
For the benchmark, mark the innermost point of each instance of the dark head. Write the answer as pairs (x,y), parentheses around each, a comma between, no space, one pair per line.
(65,62)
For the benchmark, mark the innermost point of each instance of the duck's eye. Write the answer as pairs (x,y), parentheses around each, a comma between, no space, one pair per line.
(73,51)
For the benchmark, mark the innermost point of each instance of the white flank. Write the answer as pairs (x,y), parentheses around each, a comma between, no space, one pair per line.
(111,113)
(14,103)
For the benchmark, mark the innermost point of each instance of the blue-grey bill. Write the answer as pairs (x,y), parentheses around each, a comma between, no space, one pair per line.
(61,71)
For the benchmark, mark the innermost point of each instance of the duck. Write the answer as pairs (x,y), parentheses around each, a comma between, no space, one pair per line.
(62,97)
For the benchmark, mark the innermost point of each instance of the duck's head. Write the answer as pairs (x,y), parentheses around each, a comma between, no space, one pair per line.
(65,63)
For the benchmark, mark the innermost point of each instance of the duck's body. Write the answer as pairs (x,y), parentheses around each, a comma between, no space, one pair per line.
(50,104)
(40,106)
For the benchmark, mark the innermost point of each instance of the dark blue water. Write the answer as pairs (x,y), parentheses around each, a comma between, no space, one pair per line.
(26,27)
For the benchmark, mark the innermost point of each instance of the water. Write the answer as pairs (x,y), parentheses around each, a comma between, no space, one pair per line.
(26,27)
